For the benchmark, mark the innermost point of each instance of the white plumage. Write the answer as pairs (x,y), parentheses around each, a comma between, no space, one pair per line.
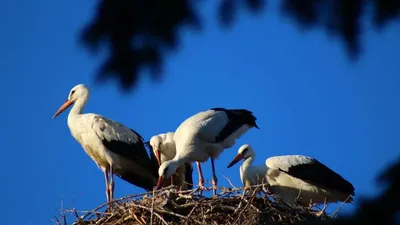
(115,148)
(163,146)
(295,178)
(206,134)
(249,174)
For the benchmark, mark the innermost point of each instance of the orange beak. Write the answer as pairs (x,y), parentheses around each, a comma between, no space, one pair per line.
(159,182)
(158,156)
(237,158)
(64,106)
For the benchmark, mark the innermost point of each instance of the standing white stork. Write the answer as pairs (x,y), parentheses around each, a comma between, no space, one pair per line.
(163,146)
(296,178)
(206,134)
(115,148)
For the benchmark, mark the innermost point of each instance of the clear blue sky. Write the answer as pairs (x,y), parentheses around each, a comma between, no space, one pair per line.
(309,99)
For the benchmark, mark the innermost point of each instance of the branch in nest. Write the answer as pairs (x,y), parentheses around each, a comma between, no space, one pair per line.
(231,206)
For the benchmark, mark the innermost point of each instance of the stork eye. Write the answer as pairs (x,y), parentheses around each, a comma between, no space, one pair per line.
(244,151)
(72,92)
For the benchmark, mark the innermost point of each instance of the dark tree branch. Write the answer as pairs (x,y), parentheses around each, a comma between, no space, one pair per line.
(138,34)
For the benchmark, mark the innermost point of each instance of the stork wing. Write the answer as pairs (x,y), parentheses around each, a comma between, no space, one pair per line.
(310,170)
(148,145)
(121,140)
(212,124)
(219,124)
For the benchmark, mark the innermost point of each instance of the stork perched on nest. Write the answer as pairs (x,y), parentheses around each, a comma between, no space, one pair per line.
(115,148)
(296,178)
(205,135)
(163,146)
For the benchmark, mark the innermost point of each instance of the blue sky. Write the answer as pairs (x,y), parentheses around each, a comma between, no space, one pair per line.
(309,99)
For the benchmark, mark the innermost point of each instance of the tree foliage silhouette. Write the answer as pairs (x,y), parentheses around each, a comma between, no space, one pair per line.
(139,34)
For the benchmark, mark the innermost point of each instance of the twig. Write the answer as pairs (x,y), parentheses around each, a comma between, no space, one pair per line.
(137,219)
(230,182)
(188,216)
(340,206)
(123,198)
(152,207)
(63,217)
(72,211)
(156,214)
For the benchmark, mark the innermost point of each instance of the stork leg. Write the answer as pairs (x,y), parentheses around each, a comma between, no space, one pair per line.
(105,171)
(214,178)
(201,179)
(111,183)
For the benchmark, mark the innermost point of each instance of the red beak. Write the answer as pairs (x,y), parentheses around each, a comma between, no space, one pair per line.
(237,158)
(158,156)
(159,182)
(64,106)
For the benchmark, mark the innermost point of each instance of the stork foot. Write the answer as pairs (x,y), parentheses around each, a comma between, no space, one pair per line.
(109,208)
(214,185)
(214,191)
(200,189)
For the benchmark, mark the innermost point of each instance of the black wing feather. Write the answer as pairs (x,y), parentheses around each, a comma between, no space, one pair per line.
(134,151)
(189,175)
(137,180)
(237,118)
(324,176)
(128,145)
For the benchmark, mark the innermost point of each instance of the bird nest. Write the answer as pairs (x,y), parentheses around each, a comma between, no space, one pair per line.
(170,206)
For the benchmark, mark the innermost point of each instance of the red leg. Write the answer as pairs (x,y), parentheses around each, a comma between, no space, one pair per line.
(214,178)
(105,171)
(201,179)
(111,184)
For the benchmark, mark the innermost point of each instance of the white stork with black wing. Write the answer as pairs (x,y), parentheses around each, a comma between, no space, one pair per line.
(163,146)
(115,148)
(295,178)
(206,134)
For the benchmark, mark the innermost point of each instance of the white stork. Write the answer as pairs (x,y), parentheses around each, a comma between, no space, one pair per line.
(115,148)
(163,146)
(206,134)
(295,178)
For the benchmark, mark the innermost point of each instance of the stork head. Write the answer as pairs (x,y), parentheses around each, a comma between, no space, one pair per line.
(155,143)
(245,151)
(80,91)
(165,171)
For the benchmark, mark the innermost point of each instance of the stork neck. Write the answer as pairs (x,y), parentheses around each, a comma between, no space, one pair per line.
(248,162)
(78,107)
(179,161)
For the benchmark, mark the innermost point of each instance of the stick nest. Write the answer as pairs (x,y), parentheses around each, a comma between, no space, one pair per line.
(170,206)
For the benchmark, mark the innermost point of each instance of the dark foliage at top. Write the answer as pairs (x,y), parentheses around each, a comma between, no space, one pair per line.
(138,34)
